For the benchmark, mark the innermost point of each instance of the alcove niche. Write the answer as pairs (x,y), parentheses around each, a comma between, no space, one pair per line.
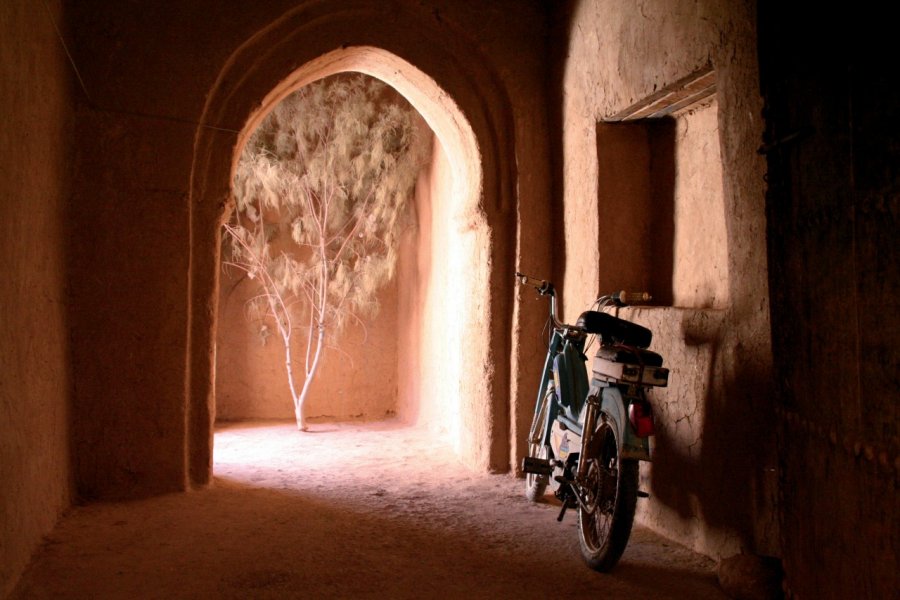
(660,197)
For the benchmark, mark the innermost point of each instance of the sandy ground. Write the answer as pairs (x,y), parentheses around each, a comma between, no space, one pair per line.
(346,511)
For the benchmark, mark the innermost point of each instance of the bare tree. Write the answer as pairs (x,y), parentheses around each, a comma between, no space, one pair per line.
(321,193)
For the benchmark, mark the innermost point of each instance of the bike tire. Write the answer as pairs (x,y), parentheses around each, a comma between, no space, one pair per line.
(612,495)
(536,485)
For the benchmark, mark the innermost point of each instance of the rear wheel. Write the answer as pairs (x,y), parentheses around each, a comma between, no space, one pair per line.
(536,485)
(610,488)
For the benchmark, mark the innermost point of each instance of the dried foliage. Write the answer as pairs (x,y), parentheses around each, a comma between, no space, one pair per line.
(321,193)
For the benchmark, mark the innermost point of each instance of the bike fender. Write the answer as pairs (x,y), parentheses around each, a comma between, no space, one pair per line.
(612,404)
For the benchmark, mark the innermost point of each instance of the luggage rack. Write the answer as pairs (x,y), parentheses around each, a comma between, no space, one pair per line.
(612,371)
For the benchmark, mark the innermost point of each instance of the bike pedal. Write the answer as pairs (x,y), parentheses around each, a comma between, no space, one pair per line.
(641,494)
(536,466)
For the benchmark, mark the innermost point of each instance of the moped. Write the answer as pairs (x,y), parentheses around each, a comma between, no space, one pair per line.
(587,437)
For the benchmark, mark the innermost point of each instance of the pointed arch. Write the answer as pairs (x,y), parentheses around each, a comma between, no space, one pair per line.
(461,99)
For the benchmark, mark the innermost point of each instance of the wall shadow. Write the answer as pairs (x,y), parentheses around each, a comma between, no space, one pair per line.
(636,206)
(661,217)
(560,16)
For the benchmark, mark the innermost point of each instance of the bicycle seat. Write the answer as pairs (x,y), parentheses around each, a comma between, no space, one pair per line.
(631,356)
(614,330)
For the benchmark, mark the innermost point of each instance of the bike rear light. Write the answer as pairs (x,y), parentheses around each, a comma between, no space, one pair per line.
(640,414)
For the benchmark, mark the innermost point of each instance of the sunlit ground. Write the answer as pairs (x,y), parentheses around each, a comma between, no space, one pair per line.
(349,511)
(412,480)
(275,455)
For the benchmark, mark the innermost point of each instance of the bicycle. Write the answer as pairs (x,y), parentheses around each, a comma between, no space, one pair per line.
(587,437)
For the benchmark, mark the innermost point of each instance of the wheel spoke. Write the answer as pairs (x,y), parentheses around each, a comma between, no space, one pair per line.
(536,484)
(611,484)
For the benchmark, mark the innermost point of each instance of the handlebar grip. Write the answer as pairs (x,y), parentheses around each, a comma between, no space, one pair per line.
(625,298)
(528,280)
(542,286)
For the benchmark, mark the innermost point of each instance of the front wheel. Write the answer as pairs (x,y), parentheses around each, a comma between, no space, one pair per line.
(536,485)
(610,492)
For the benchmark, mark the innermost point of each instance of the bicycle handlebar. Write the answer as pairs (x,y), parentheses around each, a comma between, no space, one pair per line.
(617,299)
(542,286)
(624,298)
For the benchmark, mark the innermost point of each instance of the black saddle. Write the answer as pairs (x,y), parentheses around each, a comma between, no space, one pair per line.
(631,356)
(614,330)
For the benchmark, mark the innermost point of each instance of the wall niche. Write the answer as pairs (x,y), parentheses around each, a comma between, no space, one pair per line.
(660,197)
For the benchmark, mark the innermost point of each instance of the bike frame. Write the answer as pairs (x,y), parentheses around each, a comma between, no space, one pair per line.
(587,436)
(565,366)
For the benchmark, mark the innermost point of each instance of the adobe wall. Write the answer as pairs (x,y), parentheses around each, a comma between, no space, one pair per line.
(429,365)
(712,484)
(35,382)
(356,378)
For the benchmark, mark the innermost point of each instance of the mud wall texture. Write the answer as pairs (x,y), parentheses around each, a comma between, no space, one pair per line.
(356,378)
(712,484)
(35,151)
(429,365)
(833,146)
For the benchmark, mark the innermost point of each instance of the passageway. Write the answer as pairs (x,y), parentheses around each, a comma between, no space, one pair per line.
(733,161)
(347,511)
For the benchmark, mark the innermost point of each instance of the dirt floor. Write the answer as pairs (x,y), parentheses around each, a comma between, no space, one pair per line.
(346,511)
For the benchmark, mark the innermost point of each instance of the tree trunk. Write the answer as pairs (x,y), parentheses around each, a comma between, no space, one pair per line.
(310,375)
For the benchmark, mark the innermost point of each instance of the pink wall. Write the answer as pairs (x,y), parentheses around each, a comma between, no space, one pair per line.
(356,379)
(429,367)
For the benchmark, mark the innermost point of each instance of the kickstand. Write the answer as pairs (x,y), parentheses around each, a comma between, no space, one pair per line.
(563,510)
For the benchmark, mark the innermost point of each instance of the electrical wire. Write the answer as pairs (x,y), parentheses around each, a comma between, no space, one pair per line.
(66,49)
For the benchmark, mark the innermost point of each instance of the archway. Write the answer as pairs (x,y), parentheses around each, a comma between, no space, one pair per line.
(409,364)
(468,111)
